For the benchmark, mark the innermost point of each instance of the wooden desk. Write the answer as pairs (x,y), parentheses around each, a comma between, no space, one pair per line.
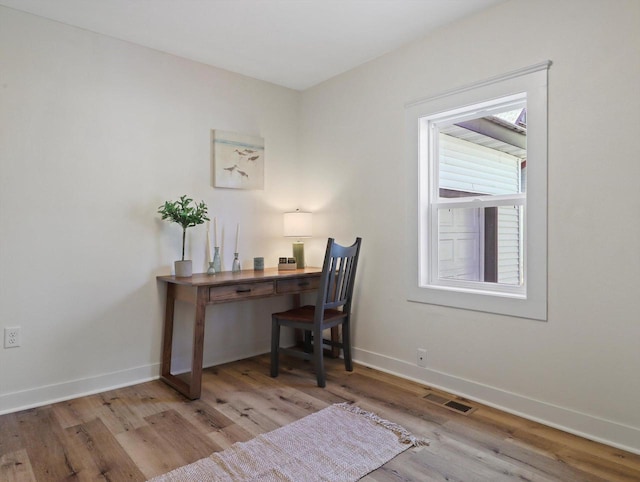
(202,290)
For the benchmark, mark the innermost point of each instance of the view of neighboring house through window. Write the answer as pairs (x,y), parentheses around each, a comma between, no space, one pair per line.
(480,198)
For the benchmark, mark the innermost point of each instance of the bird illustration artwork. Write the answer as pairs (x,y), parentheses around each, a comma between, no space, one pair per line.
(243,161)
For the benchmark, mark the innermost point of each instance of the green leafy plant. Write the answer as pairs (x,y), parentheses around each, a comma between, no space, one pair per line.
(185,214)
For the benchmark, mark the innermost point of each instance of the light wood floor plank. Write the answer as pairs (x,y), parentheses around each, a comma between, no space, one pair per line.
(204,416)
(150,451)
(10,435)
(45,444)
(182,435)
(16,467)
(102,457)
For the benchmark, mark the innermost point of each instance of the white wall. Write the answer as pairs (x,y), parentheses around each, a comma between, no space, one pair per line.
(95,134)
(579,370)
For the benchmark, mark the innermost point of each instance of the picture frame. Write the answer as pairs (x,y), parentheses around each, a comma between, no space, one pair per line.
(237,160)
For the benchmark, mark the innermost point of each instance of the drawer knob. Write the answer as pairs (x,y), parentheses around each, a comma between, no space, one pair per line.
(243,290)
(304,283)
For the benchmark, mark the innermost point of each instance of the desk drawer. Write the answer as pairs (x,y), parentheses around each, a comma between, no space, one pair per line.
(240,292)
(297,285)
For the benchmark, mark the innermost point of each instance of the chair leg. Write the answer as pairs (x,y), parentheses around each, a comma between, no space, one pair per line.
(318,358)
(346,345)
(275,346)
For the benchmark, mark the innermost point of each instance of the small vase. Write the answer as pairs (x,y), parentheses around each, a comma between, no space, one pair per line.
(217,266)
(183,268)
(211,269)
(236,263)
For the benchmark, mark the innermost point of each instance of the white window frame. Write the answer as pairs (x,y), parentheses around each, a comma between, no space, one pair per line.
(530,299)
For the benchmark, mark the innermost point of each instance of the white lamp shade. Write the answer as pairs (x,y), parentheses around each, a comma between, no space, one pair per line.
(297,225)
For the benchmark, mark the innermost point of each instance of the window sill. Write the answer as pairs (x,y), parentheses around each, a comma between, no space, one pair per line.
(519,306)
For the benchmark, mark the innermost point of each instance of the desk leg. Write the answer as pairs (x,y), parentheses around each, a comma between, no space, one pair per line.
(167,340)
(298,334)
(193,388)
(198,344)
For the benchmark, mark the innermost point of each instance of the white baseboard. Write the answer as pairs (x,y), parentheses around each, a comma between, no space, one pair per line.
(611,433)
(45,395)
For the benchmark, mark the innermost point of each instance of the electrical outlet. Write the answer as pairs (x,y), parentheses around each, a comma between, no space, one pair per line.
(422,357)
(12,337)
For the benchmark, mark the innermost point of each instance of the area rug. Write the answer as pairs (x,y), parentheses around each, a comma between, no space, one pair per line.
(339,443)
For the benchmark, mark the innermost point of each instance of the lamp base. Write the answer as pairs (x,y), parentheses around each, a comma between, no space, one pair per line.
(298,253)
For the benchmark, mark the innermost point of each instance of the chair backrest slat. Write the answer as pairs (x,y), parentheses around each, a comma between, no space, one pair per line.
(338,274)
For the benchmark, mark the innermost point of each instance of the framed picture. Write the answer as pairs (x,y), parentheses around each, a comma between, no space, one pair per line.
(238,160)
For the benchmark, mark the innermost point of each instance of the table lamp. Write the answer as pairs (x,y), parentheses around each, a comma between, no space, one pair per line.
(297,225)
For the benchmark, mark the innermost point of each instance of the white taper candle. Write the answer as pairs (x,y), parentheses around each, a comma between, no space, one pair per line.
(209,259)
(215,231)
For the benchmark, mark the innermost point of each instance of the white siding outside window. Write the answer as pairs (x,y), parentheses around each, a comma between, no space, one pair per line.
(465,166)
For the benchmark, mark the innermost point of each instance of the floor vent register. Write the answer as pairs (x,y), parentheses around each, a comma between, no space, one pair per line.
(457,405)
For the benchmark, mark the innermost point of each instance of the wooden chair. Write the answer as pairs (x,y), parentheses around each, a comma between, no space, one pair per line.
(332,308)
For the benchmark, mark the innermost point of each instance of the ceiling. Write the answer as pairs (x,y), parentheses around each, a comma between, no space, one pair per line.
(293,43)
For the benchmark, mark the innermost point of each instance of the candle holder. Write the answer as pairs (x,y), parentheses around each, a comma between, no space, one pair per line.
(212,269)
(236,263)
(216,259)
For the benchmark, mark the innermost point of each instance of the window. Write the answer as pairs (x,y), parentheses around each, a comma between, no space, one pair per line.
(478,208)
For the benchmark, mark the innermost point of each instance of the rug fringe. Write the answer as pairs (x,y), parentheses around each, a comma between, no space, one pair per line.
(403,434)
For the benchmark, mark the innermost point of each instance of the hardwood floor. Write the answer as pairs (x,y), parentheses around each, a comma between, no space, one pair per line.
(138,432)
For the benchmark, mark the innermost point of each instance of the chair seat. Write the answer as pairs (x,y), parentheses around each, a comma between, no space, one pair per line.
(305,314)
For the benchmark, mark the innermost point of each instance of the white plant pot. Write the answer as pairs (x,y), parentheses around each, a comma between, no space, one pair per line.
(183,268)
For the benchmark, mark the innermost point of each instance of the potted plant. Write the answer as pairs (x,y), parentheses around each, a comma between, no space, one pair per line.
(186,215)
